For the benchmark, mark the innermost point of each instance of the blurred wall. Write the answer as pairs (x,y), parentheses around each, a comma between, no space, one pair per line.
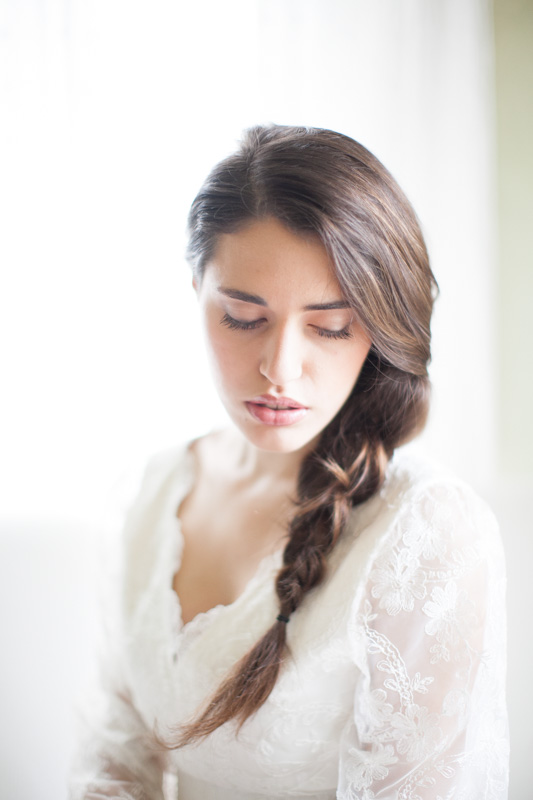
(514,87)
(511,499)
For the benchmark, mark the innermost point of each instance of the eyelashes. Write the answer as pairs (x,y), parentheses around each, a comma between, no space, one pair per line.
(345,333)
(239,325)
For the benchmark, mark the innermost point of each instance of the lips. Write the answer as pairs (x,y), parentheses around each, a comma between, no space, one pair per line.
(274,411)
(276,402)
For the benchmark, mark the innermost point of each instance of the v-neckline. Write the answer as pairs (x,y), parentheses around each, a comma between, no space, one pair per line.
(265,565)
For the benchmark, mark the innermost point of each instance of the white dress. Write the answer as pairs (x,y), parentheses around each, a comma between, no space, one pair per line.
(394,682)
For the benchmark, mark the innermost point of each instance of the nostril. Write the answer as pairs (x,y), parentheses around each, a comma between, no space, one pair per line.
(281,369)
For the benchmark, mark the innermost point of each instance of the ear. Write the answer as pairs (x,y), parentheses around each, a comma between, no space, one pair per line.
(195,284)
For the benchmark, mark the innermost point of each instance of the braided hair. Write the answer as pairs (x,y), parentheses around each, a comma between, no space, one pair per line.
(321,182)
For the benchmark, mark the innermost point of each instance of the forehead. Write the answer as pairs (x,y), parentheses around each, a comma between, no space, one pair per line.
(267,259)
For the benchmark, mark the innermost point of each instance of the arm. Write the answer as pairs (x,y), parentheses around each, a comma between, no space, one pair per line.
(115,753)
(116,757)
(428,635)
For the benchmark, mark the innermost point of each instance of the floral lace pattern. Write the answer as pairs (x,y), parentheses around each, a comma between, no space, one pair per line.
(394,686)
(423,621)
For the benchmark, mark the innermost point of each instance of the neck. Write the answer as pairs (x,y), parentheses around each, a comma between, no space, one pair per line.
(282,468)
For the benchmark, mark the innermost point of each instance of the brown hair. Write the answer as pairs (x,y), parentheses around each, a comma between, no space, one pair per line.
(319,182)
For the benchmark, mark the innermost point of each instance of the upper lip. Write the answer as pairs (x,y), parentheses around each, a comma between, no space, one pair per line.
(276,402)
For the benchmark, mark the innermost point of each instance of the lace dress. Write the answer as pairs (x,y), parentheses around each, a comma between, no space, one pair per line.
(394,682)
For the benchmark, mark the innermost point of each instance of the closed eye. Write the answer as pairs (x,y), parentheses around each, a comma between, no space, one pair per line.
(239,324)
(242,325)
(345,333)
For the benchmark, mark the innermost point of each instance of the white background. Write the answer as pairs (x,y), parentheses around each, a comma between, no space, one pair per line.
(114,113)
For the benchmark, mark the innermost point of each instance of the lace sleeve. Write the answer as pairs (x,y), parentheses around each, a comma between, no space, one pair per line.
(115,754)
(428,636)
(116,757)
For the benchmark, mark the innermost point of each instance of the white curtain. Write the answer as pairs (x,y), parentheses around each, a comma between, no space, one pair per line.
(113,112)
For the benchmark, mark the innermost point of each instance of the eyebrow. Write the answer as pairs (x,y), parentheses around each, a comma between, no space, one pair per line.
(236,294)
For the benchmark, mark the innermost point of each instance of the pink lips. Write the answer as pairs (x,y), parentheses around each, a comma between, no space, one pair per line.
(272,410)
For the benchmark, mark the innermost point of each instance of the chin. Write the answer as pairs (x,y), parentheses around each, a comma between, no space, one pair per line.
(283,439)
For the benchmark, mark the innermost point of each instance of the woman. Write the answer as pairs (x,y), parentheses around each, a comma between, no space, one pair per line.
(301,614)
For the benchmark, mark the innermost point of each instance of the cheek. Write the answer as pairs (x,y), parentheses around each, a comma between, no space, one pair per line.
(344,372)
(228,361)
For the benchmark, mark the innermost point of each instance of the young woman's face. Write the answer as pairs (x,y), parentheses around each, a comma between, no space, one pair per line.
(285,349)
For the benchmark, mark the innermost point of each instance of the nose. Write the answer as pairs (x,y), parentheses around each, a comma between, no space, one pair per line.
(282,356)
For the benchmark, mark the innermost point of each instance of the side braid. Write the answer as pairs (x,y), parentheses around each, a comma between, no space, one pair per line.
(327,491)
(322,517)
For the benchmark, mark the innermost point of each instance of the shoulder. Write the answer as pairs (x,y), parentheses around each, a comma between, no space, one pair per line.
(168,476)
(137,524)
(409,474)
(429,492)
(434,519)
(143,498)
(177,467)
(424,517)
(215,453)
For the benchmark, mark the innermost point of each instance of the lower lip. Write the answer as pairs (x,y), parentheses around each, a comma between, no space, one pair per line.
(276,416)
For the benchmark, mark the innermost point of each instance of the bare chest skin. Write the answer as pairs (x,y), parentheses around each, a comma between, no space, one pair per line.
(229,524)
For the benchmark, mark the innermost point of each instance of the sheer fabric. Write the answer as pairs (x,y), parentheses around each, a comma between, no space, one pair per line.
(393,686)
